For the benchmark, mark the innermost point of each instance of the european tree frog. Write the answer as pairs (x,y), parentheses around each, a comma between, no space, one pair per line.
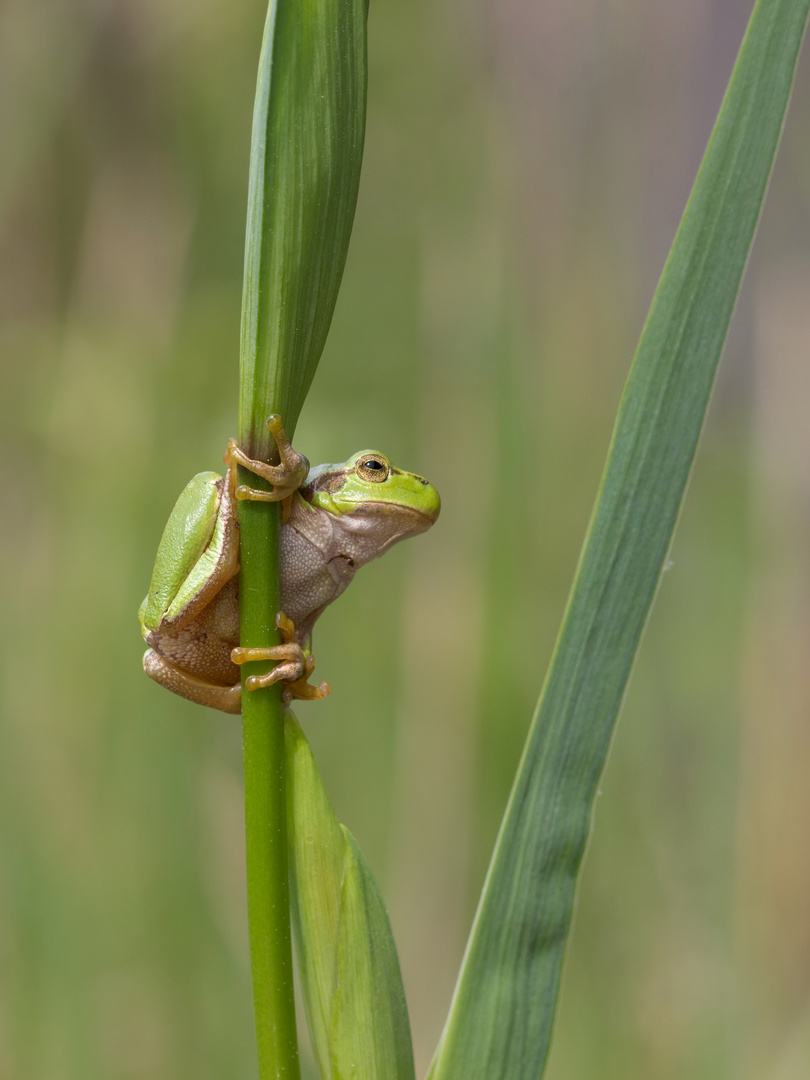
(335,518)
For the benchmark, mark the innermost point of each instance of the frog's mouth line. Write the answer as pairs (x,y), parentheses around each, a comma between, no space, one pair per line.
(392,508)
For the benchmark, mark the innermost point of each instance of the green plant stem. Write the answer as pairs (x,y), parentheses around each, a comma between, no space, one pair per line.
(266,800)
(306,149)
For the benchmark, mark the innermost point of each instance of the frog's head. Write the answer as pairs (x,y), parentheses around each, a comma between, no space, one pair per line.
(368,481)
(374,498)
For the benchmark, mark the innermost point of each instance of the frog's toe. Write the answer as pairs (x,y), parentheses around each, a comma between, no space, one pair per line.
(288,672)
(281,491)
(289,651)
(302,689)
(291,668)
(293,465)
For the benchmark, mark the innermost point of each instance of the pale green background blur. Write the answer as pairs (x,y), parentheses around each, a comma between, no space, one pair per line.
(526,165)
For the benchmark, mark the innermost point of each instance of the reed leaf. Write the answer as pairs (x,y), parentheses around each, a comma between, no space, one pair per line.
(501,1018)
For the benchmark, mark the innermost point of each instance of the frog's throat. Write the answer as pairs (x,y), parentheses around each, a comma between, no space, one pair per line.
(362,535)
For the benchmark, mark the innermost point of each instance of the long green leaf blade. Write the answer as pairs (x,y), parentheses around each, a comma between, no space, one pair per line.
(317,851)
(501,1019)
(371,1036)
(306,151)
(348,963)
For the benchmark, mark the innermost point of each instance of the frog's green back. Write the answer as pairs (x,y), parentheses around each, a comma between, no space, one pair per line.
(186,536)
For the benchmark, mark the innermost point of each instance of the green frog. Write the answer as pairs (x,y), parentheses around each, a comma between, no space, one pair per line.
(335,519)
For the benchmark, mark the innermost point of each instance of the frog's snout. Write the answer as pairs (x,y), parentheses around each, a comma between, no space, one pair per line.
(431,504)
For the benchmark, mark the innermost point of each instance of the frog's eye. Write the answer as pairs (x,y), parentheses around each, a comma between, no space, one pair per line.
(373,468)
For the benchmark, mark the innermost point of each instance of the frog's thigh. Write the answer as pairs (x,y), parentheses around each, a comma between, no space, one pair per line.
(226,698)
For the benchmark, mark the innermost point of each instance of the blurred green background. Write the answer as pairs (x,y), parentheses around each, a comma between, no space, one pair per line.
(526,165)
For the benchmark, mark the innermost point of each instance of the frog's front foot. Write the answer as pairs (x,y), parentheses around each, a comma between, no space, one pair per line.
(294,669)
(286,478)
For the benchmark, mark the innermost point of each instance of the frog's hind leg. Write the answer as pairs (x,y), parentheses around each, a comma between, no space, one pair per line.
(226,698)
(219,562)
(302,689)
(294,670)
(291,667)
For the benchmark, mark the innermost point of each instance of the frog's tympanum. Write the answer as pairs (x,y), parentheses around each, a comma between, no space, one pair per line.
(335,518)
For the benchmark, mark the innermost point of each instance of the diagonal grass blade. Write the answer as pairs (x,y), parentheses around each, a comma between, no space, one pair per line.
(503,1009)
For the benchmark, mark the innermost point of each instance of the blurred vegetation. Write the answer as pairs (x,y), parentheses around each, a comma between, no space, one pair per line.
(526,166)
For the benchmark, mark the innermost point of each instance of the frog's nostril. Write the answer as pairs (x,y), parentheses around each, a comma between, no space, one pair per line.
(423,482)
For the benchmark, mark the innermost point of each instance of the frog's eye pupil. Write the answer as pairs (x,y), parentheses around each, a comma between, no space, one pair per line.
(373,469)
